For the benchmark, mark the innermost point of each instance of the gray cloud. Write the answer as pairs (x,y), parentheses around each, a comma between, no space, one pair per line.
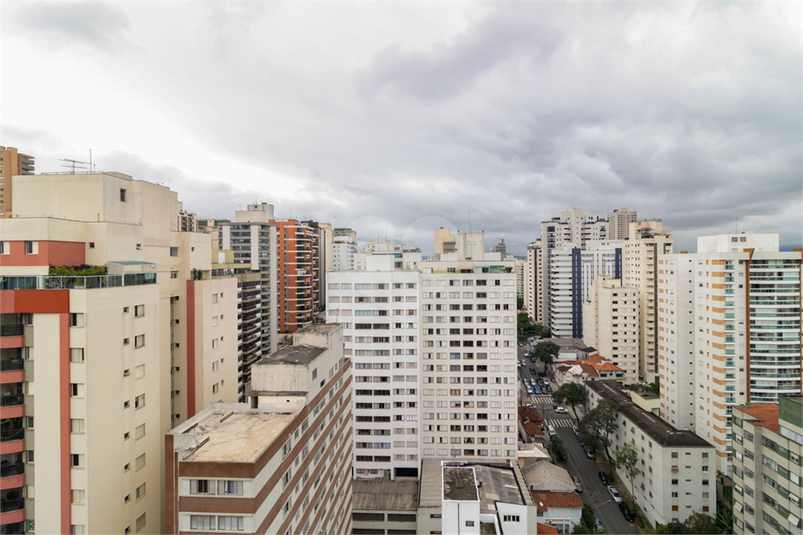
(682,111)
(96,24)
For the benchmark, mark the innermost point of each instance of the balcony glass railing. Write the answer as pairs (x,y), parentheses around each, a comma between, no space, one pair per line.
(11,330)
(8,435)
(47,282)
(12,505)
(11,400)
(9,470)
(11,364)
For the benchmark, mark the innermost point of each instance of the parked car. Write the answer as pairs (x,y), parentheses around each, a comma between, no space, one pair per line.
(532,370)
(614,494)
(604,478)
(561,410)
(589,452)
(529,390)
(551,430)
(537,390)
(576,431)
(577,484)
(626,511)
(598,526)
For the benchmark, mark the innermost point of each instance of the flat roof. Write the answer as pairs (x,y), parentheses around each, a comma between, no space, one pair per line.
(301,354)
(496,484)
(459,484)
(659,430)
(238,435)
(385,495)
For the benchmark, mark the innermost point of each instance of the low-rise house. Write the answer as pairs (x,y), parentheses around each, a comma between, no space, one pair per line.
(563,510)
(545,477)
(530,425)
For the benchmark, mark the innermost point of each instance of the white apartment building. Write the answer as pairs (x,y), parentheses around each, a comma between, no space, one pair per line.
(379,312)
(533,274)
(468,354)
(678,468)
(102,365)
(610,324)
(279,464)
(572,272)
(573,226)
(646,243)
(343,251)
(768,467)
(746,329)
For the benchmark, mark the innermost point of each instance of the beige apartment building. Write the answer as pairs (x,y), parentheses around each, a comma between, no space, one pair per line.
(533,299)
(120,356)
(745,329)
(619,223)
(645,244)
(768,467)
(279,464)
(12,163)
(610,324)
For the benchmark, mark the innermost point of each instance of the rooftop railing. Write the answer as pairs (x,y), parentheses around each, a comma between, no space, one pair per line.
(51,282)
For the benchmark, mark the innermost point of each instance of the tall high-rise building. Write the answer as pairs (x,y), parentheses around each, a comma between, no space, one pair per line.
(576,227)
(619,223)
(11,163)
(610,317)
(520,267)
(342,255)
(572,273)
(99,363)
(646,243)
(255,241)
(745,316)
(301,273)
(533,302)
(468,344)
(379,311)
(279,464)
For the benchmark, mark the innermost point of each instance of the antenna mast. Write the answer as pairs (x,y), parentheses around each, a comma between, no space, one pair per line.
(73,164)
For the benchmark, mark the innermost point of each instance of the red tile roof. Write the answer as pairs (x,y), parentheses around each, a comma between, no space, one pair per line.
(546,529)
(766,414)
(557,499)
(529,414)
(532,429)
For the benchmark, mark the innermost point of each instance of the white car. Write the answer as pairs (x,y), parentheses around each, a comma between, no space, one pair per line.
(614,494)
(561,410)
(552,431)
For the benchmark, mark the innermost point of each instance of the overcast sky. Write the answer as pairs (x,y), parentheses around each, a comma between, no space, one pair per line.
(396,118)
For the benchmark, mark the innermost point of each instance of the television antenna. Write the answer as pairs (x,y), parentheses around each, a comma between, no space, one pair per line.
(75,164)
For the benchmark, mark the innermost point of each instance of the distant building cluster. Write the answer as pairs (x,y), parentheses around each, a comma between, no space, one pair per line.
(169,373)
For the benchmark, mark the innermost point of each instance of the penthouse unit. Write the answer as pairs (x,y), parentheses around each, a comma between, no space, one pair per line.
(468,345)
(677,466)
(379,314)
(645,244)
(280,464)
(113,331)
(474,498)
(12,163)
(767,467)
(610,324)
(746,317)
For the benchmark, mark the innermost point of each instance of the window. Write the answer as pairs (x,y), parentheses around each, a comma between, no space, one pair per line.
(139,401)
(76,354)
(139,340)
(76,320)
(91,245)
(78,460)
(511,518)
(141,522)
(202,486)
(125,341)
(139,371)
(31,247)
(77,390)
(230,523)
(140,492)
(215,388)
(77,425)
(140,462)
(122,195)
(139,432)
(139,311)
(233,488)
(78,496)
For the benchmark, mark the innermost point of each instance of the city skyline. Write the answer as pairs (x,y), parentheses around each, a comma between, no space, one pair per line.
(394,120)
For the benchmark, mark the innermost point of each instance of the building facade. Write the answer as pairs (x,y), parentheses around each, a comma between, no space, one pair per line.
(533,303)
(280,464)
(767,467)
(12,163)
(619,223)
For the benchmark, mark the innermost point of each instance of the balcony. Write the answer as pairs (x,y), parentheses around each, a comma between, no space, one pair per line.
(10,435)
(9,470)
(47,282)
(11,400)
(15,504)
(12,365)
(12,330)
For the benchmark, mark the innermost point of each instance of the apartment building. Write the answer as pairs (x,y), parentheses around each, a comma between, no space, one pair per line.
(746,329)
(12,162)
(575,227)
(445,241)
(677,467)
(468,345)
(280,464)
(139,346)
(379,312)
(645,244)
(343,250)
(619,223)
(610,324)
(572,272)
(255,242)
(533,302)
(767,467)
(301,263)
(520,267)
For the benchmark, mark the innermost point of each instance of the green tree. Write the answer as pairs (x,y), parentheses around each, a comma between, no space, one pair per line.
(570,394)
(599,424)
(724,518)
(519,303)
(700,523)
(676,528)
(556,443)
(581,530)
(588,518)
(626,458)
(546,352)
(655,387)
